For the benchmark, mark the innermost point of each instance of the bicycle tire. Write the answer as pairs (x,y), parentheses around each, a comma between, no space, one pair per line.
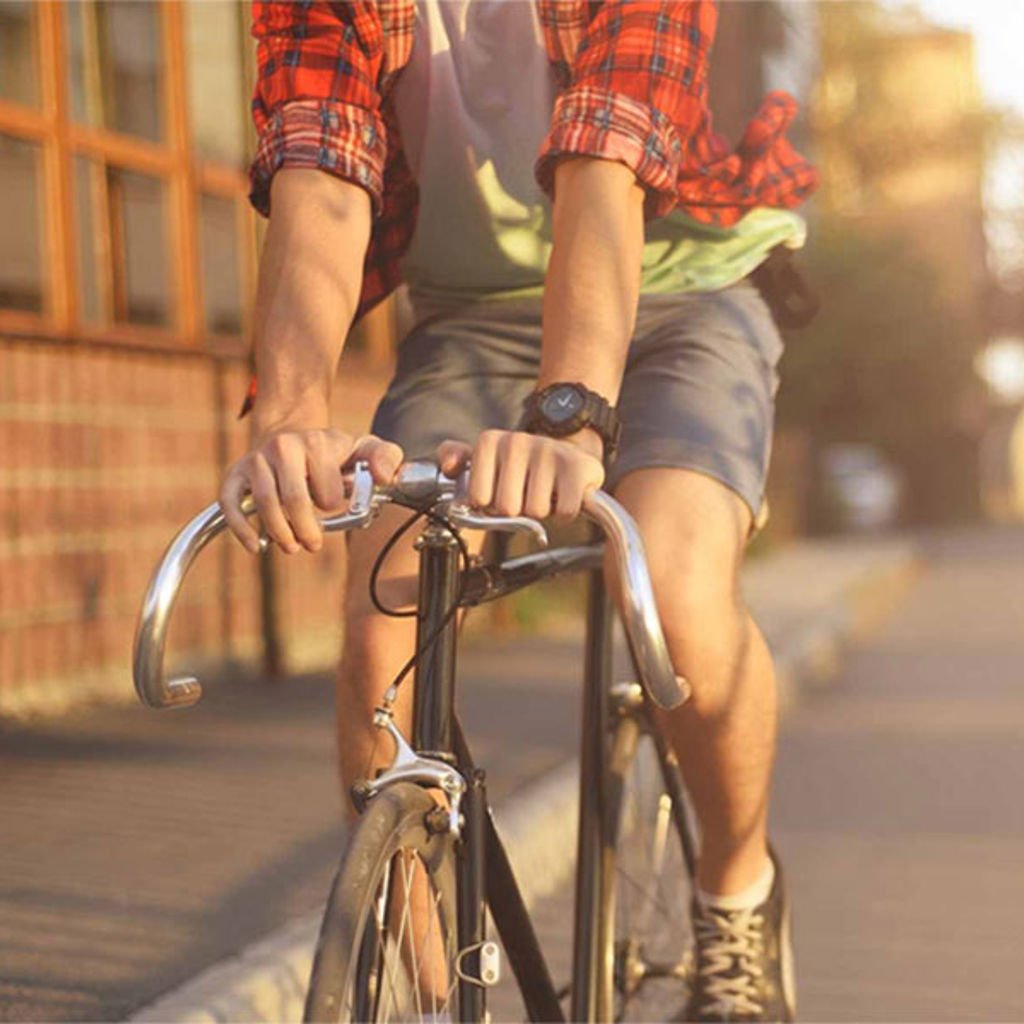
(357,974)
(648,880)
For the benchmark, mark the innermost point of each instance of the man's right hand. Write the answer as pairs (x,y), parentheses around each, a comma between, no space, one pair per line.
(291,473)
(309,285)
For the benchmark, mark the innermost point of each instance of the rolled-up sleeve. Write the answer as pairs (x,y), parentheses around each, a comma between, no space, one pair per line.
(317,103)
(635,93)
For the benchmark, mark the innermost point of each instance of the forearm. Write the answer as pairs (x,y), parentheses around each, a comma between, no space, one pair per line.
(309,283)
(593,278)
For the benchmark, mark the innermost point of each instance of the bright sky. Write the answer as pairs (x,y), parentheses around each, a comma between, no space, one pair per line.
(998,30)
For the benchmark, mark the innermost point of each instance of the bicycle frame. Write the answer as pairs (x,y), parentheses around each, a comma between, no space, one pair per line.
(486,876)
(439,757)
(433,737)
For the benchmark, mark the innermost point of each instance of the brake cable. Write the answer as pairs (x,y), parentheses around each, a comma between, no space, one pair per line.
(426,512)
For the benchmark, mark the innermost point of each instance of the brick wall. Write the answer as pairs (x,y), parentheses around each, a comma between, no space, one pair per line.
(104,454)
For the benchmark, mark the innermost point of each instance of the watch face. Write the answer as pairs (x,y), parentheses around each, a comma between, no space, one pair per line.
(562,404)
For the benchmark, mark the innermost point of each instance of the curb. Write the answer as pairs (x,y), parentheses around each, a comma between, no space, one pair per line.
(267,980)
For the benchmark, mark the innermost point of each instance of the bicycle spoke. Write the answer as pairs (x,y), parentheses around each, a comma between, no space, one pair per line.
(383,933)
(430,960)
(397,945)
(659,849)
(446,1001)
(651,939)
(660,904)
(410,963)
(407,922)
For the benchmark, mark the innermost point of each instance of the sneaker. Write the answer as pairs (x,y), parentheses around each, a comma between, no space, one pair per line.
(743,961)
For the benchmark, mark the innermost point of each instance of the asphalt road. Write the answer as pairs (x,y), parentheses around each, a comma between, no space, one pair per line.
(900,804)
(899,807)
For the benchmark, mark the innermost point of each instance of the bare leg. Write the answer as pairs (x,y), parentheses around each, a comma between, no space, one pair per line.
(695,531)
(374,651)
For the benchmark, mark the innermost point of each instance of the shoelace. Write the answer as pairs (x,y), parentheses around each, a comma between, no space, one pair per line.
(731,946)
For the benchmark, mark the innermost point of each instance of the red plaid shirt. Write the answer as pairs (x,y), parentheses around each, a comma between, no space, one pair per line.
(633,88)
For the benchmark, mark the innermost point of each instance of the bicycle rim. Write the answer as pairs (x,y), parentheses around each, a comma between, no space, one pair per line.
(388,944)
(648,895)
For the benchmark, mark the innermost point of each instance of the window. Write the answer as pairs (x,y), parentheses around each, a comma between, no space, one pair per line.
(113,64)
(218,97)
(90,249)
(21,262)
(138,212)
(221,268)
(18,52)
(123,141)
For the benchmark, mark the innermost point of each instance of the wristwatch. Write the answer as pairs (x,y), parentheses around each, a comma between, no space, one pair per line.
(563,409)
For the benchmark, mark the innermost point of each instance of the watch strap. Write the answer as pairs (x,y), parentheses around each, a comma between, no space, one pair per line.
(597,413)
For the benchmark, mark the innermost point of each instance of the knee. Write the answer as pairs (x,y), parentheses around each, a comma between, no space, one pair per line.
(694,531)
(698,609)
(706,626)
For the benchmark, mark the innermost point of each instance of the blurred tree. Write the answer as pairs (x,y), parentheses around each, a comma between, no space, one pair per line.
(886,364)
(898,253)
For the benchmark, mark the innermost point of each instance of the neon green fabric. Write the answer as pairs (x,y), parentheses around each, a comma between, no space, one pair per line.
(680,254)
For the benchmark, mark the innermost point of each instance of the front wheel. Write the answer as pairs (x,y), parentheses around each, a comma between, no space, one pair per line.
(388,943)
(649,874)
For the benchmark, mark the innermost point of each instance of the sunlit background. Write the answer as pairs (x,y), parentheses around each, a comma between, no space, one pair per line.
(127,265)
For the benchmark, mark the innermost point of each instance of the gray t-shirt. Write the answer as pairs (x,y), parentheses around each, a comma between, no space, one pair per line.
(474,105)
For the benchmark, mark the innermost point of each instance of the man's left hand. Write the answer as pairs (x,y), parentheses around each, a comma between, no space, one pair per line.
(513,473)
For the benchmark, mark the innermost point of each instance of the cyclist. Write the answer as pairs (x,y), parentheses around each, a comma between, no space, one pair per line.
(578,248)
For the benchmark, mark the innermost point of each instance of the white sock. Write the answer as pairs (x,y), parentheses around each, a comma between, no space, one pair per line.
(753,896)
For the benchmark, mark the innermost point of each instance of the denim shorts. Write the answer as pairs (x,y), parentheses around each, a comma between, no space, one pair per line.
(698,391)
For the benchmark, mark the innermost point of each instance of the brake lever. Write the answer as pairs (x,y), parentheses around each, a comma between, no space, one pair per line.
(362,505)
(461,513)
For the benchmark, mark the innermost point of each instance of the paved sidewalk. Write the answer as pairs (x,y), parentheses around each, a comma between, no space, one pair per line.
(140,848)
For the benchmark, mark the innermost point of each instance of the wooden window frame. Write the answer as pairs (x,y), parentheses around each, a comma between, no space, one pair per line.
(180,170)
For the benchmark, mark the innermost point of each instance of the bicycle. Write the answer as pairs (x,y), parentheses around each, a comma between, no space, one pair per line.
(403,936)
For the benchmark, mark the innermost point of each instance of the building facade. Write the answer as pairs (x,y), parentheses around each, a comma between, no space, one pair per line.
(127,264)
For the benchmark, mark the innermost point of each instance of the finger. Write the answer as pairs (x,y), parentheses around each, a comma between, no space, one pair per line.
(324,456)
(482,467)
(231,491)
(263,485)
(582,474)
(540,485)
(287,458)
(452,457)
(383,457)
(569,494)
(514,453)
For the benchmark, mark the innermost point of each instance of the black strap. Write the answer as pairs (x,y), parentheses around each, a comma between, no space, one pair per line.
(792,301)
